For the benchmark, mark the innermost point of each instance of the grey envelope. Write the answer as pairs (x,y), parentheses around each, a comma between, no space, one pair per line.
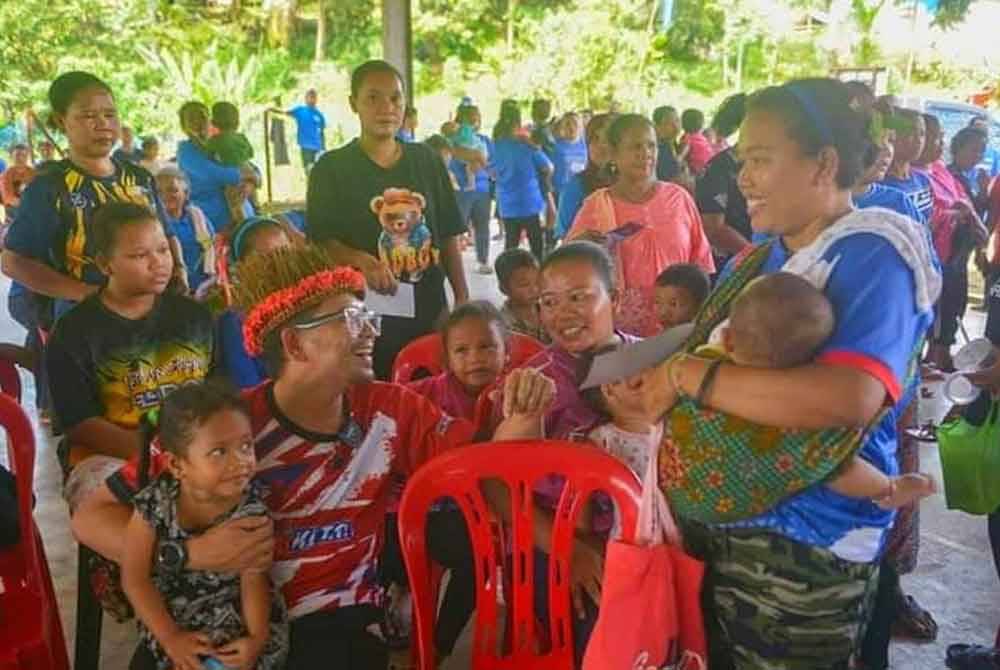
(631,359)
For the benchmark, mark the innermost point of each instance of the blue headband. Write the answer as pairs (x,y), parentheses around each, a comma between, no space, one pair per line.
(236,246)
(813,113)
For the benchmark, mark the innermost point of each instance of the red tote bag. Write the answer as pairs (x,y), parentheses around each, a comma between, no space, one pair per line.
(650,614)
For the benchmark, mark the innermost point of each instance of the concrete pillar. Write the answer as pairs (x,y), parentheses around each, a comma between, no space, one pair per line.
(397,40)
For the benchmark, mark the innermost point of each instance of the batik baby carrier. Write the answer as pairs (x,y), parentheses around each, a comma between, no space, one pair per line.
(717,468)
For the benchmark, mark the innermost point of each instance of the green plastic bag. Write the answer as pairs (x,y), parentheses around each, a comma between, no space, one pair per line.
(970,460)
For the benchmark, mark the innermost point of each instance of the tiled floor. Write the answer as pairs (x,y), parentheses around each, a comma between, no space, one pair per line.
(955,579)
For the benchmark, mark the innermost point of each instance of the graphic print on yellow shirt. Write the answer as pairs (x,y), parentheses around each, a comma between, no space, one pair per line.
(116,368)
(136,379)
(58,207)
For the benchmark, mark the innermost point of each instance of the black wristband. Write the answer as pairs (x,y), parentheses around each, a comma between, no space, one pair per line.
(706,381)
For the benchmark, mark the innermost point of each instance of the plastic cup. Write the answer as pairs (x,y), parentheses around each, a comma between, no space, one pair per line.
(975,356)
(959,390)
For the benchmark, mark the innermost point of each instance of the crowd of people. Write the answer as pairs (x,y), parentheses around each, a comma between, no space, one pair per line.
(822,258)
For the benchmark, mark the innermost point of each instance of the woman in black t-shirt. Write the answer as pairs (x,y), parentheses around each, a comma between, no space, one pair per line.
(388,208)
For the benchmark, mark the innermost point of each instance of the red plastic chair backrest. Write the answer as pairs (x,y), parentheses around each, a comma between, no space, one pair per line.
(424,356)
(21,457)
(457,474)
(10,379)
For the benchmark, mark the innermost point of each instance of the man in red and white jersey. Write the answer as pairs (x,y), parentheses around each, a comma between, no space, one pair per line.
(330,443)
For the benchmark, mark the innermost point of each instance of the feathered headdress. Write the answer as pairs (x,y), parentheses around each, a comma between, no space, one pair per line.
(272,288)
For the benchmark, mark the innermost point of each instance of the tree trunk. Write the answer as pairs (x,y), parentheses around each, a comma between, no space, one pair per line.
(511,12)
(281,22)
(741,48)
(320,31)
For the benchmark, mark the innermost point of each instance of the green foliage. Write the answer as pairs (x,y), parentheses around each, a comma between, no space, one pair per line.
(698,26)
(581,53)
(951,12)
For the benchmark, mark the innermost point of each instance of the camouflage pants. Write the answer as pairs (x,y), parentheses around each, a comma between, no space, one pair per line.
(775,604)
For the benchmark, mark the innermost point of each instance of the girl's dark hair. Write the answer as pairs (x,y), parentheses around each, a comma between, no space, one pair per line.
(692,120)
(817,113)
(182,413)
(189,107)
(541,110)
(242,237)
(438,143)
(861,94)
(509,121)
(509,262)
(660,113)
(593,396)
(594,254)
(112,217)
(931,120)
(689,277)
(464,113)
(624,123)
(225,116)
(595,176)
(362,71)
(66,86)
(730,114)
(475,309)
(965,137)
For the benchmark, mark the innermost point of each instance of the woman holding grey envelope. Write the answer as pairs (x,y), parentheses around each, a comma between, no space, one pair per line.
(792,564)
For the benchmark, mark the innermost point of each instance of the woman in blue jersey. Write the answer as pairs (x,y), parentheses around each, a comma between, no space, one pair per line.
(596,175)
(49,249)
(789,587)
(521,170)
(870,192)
(569,154)
(208,178)
(908,142)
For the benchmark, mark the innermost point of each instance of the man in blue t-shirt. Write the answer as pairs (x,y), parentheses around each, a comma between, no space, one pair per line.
(311,126)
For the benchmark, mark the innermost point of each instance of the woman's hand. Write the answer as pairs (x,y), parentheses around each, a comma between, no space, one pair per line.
(241,654)
(184,647)
(983,177)
(586,574)
(968,216)
(527,393)
(659,387)
(989,378)
(379,277)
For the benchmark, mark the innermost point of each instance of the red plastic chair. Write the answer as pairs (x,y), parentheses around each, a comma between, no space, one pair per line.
(10,379)
(424,356)
(31,635)
(519,465)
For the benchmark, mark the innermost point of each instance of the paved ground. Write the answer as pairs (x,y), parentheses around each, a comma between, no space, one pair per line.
(955,579)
